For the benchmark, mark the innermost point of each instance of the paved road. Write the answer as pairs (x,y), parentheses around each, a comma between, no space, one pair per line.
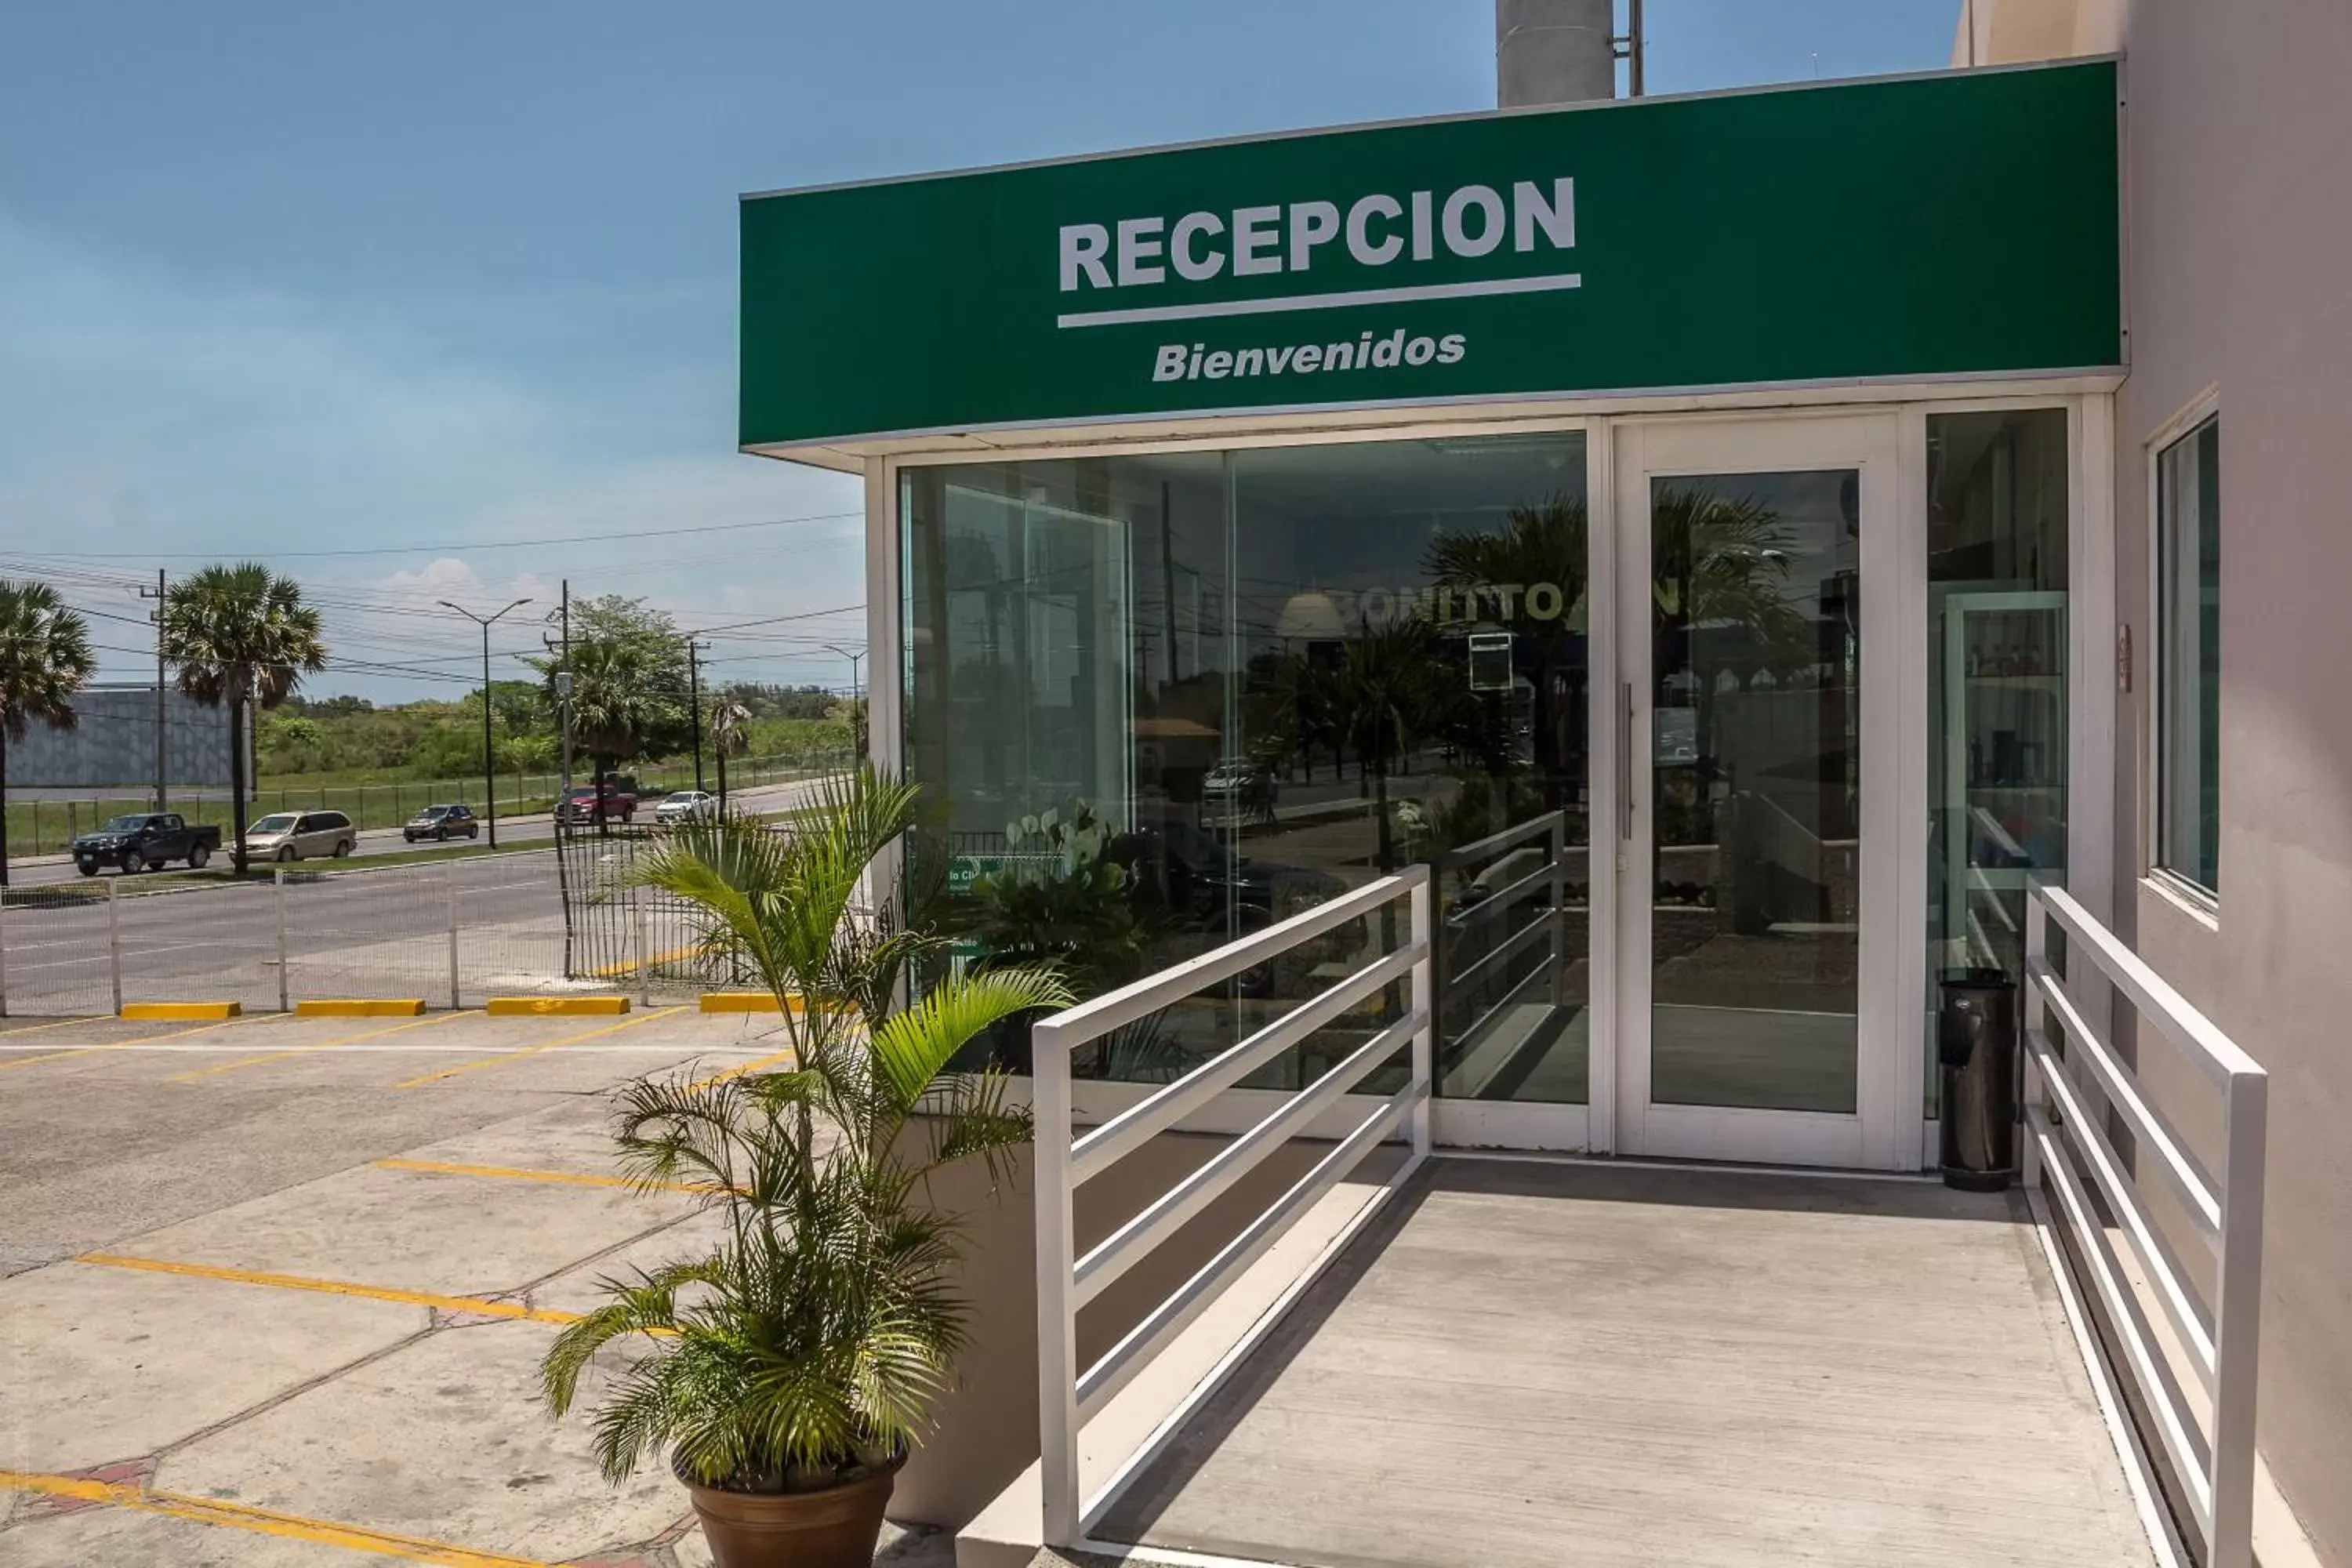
(382,840)
(350,930)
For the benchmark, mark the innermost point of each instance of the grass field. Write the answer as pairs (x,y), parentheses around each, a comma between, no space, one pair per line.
(47,827)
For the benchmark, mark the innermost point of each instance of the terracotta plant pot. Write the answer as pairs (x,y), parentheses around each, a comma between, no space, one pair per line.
(835,1527)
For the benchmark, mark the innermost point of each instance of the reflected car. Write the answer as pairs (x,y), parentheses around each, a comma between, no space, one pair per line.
(1197,872)
(687,805)
(442,822)
(300,836)
(1241,784)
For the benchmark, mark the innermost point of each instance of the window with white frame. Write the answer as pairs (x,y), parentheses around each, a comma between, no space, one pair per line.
(2188,662)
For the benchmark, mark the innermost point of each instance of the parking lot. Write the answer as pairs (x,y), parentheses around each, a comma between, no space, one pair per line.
(275,1290)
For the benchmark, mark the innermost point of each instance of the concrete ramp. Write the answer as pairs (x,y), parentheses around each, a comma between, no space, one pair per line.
(1519,1365)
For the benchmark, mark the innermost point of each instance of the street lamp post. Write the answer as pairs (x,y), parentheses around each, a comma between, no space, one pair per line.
(490,766)
(853,658)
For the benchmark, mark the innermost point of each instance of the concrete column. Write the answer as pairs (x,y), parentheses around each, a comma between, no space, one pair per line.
(1554,51)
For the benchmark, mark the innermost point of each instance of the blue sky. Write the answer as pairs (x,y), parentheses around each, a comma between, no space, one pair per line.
(426,285)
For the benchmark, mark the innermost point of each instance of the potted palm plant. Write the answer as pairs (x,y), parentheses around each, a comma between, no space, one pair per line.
(788,1371)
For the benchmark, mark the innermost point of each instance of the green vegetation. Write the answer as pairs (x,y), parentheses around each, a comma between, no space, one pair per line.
(383,799)
(805,1347)
(239,635)
(44,657)
(244,631)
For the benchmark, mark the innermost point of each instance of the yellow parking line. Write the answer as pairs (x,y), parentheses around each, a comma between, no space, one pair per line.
(629,965)
(147,1039)
(261,1521)
(742,1067)
(322,1045)
(516,1174)
(534,1050)
(515,1310)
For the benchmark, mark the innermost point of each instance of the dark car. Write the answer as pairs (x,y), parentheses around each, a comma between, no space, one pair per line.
(442,822)
(1194,872)
(142,840)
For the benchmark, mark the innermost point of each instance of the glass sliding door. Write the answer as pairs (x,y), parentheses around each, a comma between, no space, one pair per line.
(1758,770)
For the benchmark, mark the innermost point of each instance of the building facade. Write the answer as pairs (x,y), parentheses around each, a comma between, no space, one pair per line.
(1792,520)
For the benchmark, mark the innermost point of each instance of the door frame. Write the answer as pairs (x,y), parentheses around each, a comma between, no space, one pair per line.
(1893,571)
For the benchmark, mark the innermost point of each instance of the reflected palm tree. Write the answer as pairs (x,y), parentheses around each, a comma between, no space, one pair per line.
(1541,543)
(1721,561)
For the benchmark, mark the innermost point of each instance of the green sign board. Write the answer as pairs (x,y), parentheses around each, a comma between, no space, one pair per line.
(1927,226)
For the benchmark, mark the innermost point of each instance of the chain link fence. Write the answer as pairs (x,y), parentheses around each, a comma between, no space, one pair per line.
(570,918)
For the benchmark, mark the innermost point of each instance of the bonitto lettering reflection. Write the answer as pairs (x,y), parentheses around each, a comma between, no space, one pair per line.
(1452,603)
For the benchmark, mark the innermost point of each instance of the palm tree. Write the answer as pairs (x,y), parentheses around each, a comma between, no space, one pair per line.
(615,699)
(1386,697)
(729,733)
(240,635)
(1539,544)
(814,1335)
(45,659)
(1721,559)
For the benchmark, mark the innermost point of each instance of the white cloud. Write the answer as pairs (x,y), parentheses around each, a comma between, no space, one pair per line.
(141,411)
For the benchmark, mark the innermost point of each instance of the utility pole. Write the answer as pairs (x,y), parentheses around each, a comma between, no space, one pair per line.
(1629,48)
(555,824)
(693,703)
(162,756)
(563,688)
(489,764)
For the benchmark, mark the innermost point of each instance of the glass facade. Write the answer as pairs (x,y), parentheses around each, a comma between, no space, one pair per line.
(1997,671)
(1159,701)
(1156,702)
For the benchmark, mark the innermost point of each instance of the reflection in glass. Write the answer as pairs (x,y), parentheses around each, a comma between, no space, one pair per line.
(1756,730)
(1997,722)
(1156,702)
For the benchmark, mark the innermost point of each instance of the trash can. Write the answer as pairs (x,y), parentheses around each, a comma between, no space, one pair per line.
(1975,1042)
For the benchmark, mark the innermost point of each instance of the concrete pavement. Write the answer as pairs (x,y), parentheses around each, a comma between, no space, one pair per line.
(277,1290)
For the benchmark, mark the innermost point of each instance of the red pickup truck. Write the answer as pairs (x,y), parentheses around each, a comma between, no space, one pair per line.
(579,802)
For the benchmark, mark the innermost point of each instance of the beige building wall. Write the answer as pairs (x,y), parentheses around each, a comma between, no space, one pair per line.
(2238,279)
(2238,266)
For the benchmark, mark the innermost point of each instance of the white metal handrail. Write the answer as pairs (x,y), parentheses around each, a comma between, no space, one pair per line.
(2210,1449)
(1065,1282)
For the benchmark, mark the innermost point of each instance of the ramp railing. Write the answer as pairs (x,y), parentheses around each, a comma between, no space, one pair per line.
(1068,1394)
(2206,1431)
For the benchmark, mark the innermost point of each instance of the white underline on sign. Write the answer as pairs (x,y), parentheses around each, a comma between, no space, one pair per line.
(1544,285)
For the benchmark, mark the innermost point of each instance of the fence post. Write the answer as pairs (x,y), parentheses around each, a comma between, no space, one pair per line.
(1057,1322)
(1560,908)
(2237,1312)
(454,982)
(285,990)
(114,942)
(4,952)
(1424,1043)
(637,915)
(2028,1025)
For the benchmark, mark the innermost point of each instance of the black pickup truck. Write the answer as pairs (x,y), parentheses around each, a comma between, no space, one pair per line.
(144,839)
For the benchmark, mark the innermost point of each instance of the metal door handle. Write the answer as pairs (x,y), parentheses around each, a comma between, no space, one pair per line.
(1625,761)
